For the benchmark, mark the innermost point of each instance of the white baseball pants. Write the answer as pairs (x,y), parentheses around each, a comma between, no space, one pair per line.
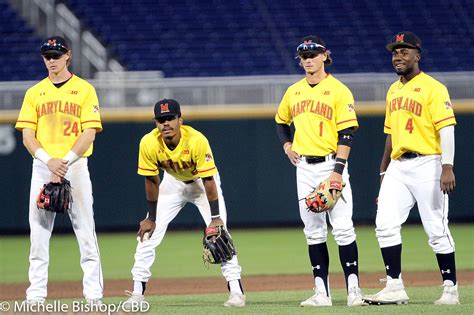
(406,182)
(82,219)
(308,177)
(172,198)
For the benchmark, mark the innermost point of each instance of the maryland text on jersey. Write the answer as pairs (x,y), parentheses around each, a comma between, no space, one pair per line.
(406,104)
(53,107)
(310,106)
(178,166)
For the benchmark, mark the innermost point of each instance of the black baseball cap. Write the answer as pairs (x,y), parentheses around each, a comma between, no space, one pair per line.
(54,45)
(167,107)
(404,40)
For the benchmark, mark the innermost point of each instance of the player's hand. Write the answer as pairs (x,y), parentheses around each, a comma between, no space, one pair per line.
(58,167)
(146,226)
(335,177)
(293,156)
(55,178)
(447,180)
(216,222)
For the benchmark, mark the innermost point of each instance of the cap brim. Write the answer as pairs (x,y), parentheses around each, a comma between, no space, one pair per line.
(166,115)
(391,46)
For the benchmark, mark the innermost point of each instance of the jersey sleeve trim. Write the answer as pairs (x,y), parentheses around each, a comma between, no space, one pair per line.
(147,169)
(443,120)
(344,121)
(386,127)
(26,121)
(210,169)
(90,121)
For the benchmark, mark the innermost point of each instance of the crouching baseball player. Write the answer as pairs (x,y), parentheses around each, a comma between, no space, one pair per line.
(190,175)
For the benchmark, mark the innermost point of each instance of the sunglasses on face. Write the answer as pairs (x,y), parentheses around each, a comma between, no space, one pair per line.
(162,120)
(309,56)
(311,47)
(49,57)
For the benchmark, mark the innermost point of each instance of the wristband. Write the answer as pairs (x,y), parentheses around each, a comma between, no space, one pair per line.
(41,155)
(152,210)
(214,204)
(71,157)
(286,147)
(382,173)
(340,165)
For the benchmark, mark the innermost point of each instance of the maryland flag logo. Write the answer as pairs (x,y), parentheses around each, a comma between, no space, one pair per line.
(448,105)
(95,108)
(208,157)
(350,107)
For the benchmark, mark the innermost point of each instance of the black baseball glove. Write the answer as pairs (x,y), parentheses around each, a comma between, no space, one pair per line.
(55,197)
(218,246)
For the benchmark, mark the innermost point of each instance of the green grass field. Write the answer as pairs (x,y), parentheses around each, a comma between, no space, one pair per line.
(261,252)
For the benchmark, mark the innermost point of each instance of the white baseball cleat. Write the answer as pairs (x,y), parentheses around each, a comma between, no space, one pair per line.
(318,299)
(393,293)
(354,298)
(450,295)
(97,302)
(134,301)
(235,300)
(34,301)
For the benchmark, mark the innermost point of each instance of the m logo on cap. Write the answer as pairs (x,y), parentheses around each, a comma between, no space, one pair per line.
(400,38)
(52,42)
(164,108)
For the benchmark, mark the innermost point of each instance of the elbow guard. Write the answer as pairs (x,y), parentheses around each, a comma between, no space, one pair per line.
(345,137)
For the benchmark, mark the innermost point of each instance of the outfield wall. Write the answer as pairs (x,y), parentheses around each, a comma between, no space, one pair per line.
(257,179)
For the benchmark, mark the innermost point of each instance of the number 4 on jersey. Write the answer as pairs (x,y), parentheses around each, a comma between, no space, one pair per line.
(409,125)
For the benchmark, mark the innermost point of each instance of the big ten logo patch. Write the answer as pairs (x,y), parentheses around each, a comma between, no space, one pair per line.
(7,139)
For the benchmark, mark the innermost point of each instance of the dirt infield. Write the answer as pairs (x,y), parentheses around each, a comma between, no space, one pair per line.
(73,289)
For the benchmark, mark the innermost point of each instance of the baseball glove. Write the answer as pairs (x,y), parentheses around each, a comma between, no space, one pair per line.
(218,246)
(321,198)
(55,197)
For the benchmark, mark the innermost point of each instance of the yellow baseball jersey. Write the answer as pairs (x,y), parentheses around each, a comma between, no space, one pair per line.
(415,112)
(60,115)
(318,113)
(191,159)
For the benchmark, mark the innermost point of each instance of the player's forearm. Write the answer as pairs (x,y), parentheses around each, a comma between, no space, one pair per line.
(29,141)
(212,196)
(386,155)
(447,145)
(152,184)
(84,142)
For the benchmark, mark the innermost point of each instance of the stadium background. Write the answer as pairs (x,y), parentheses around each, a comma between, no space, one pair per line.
(214,41)
(214,56)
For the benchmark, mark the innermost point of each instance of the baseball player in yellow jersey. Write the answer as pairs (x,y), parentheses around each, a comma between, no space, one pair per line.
(417,167)
(322,110)
(190,175)
(59,119)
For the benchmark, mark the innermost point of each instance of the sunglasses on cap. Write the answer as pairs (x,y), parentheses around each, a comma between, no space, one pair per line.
(52,56)
(310,47)
(162,120)
(53,46)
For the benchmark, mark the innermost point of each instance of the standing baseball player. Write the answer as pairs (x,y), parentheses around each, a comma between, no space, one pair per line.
(59,119)
(190,175)
(322,109)
(417,167)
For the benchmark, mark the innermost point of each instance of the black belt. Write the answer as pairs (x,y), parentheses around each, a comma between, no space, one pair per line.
(318,159)
(410,155)
(189,181)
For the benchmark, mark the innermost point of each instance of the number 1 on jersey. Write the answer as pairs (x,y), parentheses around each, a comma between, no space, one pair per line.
(409,125)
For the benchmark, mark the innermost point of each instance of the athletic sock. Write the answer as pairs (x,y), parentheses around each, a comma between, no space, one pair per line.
(235,286)
(349,258)
(319,256)
(392,258)
(447,267)
(139,287)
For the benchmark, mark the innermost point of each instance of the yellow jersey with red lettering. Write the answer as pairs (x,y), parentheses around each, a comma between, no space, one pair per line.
(60,115)
(415,112)
(191,159)
(318,113)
